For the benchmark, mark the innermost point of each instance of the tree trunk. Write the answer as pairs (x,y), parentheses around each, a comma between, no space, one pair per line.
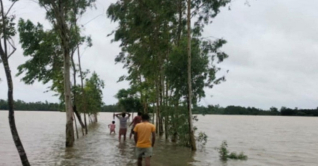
(63,30)
(158,109)
(145,102)
(157,119)
(145,107)
(84,126)
(191,132)
(78,115)
(76,127)
(179,21)
(165,93)
(161,98)
(95,117)
(14,131)
(82,87)
(90,118)
(68,104)
(153,114)
(166,112)
(174,125)
(4,58)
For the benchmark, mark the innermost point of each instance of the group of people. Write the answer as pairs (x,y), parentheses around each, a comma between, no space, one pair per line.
(143,131)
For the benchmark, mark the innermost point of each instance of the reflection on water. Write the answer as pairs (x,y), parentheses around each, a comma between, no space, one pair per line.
(266,140)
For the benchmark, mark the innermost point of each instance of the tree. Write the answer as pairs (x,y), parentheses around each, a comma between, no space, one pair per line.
(94,94)
(144,41)
(62,14)
(7,31)
(46,63)
(274,109)
(204,10)
(191,132)
(151,37)
(128,100)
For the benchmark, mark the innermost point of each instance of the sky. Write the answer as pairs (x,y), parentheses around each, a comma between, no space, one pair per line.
(272,47)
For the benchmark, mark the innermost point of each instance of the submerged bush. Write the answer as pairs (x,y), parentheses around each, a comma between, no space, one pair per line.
(202,138)
(240,156)
(225,154)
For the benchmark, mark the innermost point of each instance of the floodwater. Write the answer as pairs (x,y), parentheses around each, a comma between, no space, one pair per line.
(266,140)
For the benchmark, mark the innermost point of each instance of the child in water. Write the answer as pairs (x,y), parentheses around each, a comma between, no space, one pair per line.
(112,127)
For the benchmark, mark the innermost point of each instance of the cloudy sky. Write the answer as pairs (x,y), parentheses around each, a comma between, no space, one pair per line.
(272,44)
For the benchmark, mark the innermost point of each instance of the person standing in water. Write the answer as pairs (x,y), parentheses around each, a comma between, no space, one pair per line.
(135,121)
(112,127)
(144,139)
(122,125)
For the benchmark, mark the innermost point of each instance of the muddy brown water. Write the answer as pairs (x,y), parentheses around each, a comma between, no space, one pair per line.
(266,140)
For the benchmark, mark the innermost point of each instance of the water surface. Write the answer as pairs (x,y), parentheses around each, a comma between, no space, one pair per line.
(266,140)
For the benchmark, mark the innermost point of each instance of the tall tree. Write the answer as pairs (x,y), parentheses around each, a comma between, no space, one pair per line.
(61,14)
(94,94)
(7,31)
(191,132)
(151,37)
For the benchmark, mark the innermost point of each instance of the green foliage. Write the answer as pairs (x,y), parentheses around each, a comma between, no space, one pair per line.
(92,96)
(46,62)
(223,151)
(47,48)
(181,128)
(204,11)
(153,42)
(201,139)
(10,27)
(93,93)
(235,156)
(225,154)
(203,70)
(128,100)
(7,31)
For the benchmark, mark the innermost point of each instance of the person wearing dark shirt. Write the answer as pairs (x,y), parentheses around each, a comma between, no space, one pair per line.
(135,121)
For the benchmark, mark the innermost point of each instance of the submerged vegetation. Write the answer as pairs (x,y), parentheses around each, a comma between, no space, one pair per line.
(225,154)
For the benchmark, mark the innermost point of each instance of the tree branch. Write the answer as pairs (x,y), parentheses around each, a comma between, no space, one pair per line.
(9,9)
(14,49)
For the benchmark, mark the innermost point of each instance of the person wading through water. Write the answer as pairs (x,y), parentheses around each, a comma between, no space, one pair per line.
(144,139)
(136,120)
(122,125)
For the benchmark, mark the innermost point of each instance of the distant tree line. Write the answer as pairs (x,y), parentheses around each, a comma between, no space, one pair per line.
(31,106)
(239,110)
(110,108)
(210,109)
(298,112)
(234,110)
